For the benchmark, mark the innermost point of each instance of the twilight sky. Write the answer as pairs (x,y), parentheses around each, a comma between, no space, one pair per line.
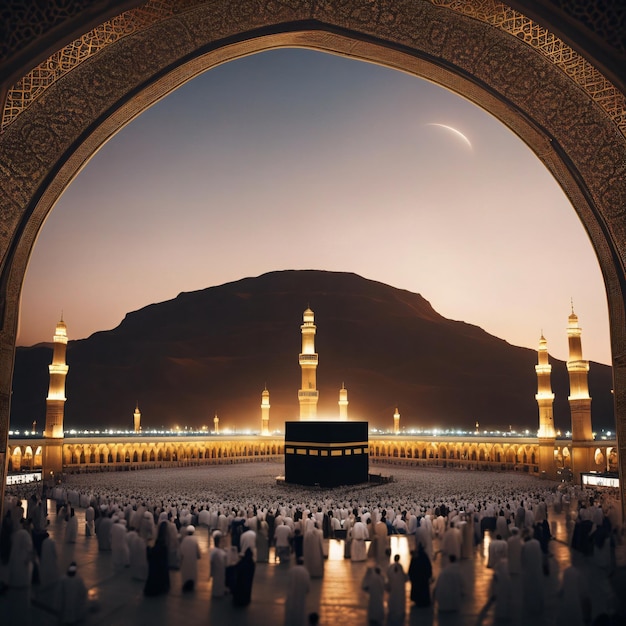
(293,159)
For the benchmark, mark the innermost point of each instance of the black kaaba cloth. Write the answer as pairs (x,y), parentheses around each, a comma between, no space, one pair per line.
(327,454)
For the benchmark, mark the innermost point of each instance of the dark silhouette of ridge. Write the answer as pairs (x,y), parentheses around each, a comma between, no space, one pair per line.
(213,351)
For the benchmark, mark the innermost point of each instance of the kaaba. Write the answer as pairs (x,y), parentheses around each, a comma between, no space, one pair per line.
(326,454)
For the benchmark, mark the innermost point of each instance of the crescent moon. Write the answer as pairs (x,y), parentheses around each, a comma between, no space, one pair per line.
(458,133)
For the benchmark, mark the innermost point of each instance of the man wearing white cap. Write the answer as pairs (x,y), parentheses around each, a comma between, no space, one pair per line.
(189,555)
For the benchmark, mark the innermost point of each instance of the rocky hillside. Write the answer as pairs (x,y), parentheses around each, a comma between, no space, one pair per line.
(213,351)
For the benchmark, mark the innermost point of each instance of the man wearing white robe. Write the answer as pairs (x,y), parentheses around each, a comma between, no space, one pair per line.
(189,556)
(412,523)
(119,544)
(49,573)
(448,591)
(424,537)
(173,543)
(72,598)
(248,540)
(396,585)
(502,528)
(297,589)
(439,526)
(71,528)
(514,553)
(204,518)
(218,559)
(451,544)
(381,542)
(282,536)
(313,551)
(574,599)
(358,550)
(374,584)
(532,577)
(147,529)
(20,568)
(222,523)
(498,550)
(138,555)
(501,593)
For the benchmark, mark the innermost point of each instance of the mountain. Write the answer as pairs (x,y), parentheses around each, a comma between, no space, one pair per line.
(214,350)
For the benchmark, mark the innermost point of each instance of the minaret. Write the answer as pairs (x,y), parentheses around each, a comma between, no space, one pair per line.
(545,398)
(137,419)
(343,404)
(265,412)
(55,404)
(308,394)
(579,400)
(216,425)
(544,395)
(396,422)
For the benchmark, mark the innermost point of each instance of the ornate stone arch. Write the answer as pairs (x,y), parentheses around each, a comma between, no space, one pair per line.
(15,455)
(57,114)
(38,457)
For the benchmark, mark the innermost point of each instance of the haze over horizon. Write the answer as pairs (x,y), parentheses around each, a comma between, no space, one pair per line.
(293,159)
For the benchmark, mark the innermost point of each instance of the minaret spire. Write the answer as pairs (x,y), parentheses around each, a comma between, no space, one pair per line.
(544,395)
(579,400)
(308,394)
(137,418)
(396,422)
(55,403)
(265,412)
(343,403)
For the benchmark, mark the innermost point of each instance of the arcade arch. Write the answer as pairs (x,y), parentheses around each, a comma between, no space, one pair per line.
(563,107)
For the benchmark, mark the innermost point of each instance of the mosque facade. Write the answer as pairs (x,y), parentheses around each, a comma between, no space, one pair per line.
(544,455)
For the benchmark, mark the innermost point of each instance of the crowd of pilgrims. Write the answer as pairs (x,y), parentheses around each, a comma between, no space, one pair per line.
(148,523)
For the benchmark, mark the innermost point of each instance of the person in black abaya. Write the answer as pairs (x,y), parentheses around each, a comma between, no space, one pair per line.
(244,574)
(420,574)
(158,581)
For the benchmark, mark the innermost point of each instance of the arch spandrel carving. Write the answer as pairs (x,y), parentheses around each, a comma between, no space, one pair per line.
(117,72)
(558,103)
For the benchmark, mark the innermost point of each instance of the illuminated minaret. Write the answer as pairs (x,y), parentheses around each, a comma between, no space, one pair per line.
(308,394)
(55,404)
(343,404)
(396,422)
(216,425)
(137,419)
(265,412)
(545,398)
(544,395)
(579,400)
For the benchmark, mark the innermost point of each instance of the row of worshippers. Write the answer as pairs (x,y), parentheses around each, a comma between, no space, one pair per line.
(332,512)
(487,501)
